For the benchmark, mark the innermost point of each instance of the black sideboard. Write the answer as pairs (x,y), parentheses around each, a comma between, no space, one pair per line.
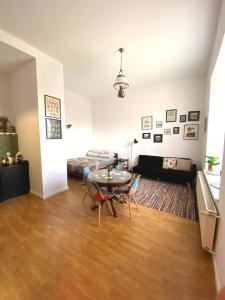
(14,180)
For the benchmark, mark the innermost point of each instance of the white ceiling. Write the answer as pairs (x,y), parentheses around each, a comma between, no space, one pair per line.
(163,39)
(11,58)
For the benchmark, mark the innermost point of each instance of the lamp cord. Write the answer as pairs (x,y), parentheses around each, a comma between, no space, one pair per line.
(121,63)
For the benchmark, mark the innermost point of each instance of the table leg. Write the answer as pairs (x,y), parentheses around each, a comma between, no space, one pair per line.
(110,190)
(113,208)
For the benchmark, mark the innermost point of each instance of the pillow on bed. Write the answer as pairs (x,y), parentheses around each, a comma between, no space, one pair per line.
(104,152)
(90,153)
(95,150)
(106,155)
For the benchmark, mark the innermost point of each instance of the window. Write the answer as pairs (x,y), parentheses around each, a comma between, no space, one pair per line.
(216,116)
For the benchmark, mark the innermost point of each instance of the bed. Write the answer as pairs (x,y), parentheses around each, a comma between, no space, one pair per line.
(94,160)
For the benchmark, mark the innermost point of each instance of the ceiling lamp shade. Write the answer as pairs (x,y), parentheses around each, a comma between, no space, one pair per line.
(121,82)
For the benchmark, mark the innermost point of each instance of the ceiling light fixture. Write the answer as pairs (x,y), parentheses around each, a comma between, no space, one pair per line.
(121,82)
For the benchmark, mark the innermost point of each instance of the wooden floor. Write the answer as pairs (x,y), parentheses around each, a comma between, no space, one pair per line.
(53,250)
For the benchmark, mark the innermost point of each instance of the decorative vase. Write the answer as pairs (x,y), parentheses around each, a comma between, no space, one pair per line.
(211,168)
(109,176)
(3,123)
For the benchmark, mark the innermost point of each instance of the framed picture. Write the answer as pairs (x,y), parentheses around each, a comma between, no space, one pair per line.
(158,138)
(167,131)
(171,115)
(146,123)
(194,115)
(191,132)
(176,130)
(159,124)
(52,107)
(146,135)
(183,118)
(53,129)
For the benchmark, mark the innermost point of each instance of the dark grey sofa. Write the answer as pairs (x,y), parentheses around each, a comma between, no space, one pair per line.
(152,167)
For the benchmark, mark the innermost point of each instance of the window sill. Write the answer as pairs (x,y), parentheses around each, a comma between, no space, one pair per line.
(213,180)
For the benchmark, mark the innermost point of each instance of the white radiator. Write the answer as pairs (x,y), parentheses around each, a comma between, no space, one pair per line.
(207,213)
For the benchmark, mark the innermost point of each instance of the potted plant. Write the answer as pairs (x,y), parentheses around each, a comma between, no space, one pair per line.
(212,161)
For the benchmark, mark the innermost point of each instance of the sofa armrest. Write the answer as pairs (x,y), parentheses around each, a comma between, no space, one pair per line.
(135,168)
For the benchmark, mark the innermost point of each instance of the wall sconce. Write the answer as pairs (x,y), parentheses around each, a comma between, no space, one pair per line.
(68,126)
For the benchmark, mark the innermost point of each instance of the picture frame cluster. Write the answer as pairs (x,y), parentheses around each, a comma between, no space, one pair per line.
(53,117)
(190,130)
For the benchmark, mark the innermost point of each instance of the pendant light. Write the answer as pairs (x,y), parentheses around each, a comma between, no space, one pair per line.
(121,82)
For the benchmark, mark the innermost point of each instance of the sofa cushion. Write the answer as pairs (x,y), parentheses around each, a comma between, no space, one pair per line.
(175,175)
(169,163)
(147,171)
(184,164)
(151,161)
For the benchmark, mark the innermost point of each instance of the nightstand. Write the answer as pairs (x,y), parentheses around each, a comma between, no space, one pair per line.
(123,164)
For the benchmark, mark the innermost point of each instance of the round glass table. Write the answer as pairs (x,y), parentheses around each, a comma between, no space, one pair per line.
(116,179)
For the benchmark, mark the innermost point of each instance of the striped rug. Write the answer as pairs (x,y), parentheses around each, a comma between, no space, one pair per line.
(171,198)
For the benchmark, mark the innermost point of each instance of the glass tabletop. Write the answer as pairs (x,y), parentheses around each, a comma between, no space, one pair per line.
(117,178)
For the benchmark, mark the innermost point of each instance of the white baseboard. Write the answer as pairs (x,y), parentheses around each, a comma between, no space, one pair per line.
(42,196)
(217,280)
(55,192)
(36,194)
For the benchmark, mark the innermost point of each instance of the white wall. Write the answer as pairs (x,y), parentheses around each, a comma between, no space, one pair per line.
(219,257)
(116,122)
(49,74)
(78,112)
(5,109)
(53,159)
(24,107)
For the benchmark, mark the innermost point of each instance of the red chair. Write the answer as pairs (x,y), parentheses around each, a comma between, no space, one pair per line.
(221,294)
(99,196)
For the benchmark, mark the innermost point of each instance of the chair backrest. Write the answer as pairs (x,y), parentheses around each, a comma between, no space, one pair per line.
(85,171)
(94,191)
(134,185)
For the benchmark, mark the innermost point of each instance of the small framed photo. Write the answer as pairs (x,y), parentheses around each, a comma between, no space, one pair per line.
(158,138)
(171,115)
(146,123)
(191,132)
(52,107)
(183,118)
(53,129)
(146,135)
(159,124)
(194,115)
(167,131)
(176,130)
